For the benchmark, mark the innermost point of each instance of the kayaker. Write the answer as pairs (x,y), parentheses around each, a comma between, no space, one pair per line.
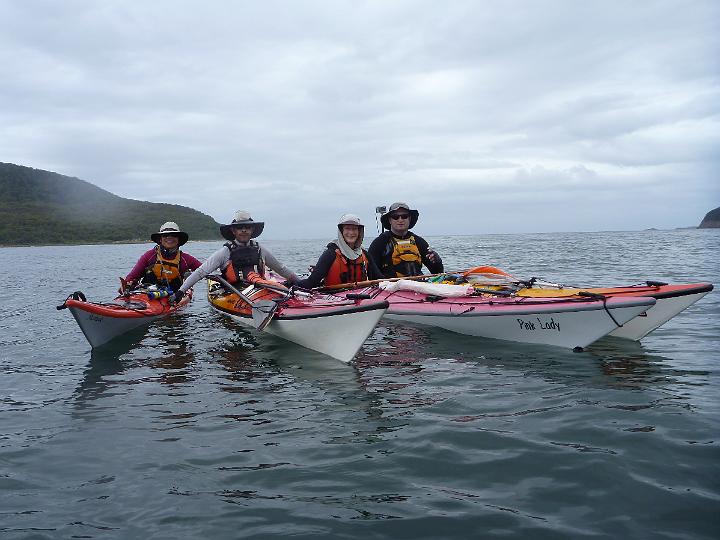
(344,260)
(239,256)
(165,264)
(397,251)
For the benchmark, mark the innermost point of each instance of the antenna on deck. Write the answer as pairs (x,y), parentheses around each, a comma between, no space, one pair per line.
(379,211)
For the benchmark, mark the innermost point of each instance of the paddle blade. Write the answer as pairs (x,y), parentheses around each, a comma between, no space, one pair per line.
(262,313)
(486,270)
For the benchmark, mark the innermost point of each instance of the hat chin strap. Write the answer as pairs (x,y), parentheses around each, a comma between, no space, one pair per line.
(168,252)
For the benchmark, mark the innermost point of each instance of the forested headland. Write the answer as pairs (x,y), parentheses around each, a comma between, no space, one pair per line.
(39,207)
(711,220)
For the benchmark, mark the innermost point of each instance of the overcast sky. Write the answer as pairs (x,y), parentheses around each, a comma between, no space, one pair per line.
(486,116)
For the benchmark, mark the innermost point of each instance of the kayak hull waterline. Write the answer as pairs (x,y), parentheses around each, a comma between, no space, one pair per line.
(569,323)
(670,301)
(330,324)
(103,322)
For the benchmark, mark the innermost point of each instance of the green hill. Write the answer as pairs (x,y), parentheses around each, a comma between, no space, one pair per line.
(42,207)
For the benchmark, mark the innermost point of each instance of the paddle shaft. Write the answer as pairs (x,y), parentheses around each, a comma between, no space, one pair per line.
(230,287)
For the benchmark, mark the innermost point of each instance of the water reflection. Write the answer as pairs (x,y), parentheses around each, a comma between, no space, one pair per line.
(402,356)
(163,346)
(105,362)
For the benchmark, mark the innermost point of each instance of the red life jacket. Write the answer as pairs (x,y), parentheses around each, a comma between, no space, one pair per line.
(344,270)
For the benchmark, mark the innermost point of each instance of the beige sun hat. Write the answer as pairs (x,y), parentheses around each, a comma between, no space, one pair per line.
(242,218)
(170,227)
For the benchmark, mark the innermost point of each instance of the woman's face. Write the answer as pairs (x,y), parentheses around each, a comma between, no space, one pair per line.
(169,241)
(350,234)
(242,233)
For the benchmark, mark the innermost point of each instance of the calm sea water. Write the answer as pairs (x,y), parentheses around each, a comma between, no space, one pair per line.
(195,428)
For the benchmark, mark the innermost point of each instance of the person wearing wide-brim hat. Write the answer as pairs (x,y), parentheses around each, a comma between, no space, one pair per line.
(344,259)
(240,255)
(397,251)
(242,218)
(165,264)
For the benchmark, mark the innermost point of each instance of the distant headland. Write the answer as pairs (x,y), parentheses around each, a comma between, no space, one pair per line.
(711,220)
(43,208)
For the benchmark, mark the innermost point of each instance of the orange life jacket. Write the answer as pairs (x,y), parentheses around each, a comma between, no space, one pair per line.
(166,271)
(344,270)
(406,258)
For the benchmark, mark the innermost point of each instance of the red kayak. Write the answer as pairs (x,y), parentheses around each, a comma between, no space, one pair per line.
(103,322)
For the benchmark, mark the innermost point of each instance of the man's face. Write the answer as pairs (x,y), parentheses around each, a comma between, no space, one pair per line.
(399,221)
(242,233)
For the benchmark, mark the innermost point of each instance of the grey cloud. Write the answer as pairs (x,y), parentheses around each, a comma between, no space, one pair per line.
(304,111)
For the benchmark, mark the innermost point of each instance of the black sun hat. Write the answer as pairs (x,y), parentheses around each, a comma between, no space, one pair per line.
(385,218)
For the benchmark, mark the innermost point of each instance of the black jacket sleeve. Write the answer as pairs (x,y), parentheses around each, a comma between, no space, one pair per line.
(322,267)
(377,252)
(434,267)
(373,270)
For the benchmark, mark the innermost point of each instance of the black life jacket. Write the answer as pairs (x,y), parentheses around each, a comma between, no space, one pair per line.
(243,259)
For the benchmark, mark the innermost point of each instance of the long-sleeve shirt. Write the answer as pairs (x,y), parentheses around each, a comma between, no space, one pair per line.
(326,260)
(187,262)
(221,258)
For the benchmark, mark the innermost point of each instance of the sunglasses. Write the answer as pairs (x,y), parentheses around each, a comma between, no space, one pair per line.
(170,235)
(241,227)
(400,216)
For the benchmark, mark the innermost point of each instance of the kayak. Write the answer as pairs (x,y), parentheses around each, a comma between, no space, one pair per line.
(670,300)
(103,322)
(330,324)
(573,322)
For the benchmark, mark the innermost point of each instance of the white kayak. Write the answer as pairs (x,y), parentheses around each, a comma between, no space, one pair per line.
(333,325)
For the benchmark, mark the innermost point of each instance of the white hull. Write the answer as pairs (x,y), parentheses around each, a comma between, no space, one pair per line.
(663,310)
(99,329)
(565,327)
(339,335)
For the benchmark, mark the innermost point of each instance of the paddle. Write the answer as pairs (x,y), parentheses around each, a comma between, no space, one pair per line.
(262,311)
(123,290)
(257,280)
(230,288)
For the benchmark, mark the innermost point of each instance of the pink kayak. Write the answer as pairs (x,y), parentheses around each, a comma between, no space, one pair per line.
(564,322)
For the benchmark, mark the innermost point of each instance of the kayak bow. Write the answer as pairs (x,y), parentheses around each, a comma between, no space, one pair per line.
(103,322)
(333,325)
